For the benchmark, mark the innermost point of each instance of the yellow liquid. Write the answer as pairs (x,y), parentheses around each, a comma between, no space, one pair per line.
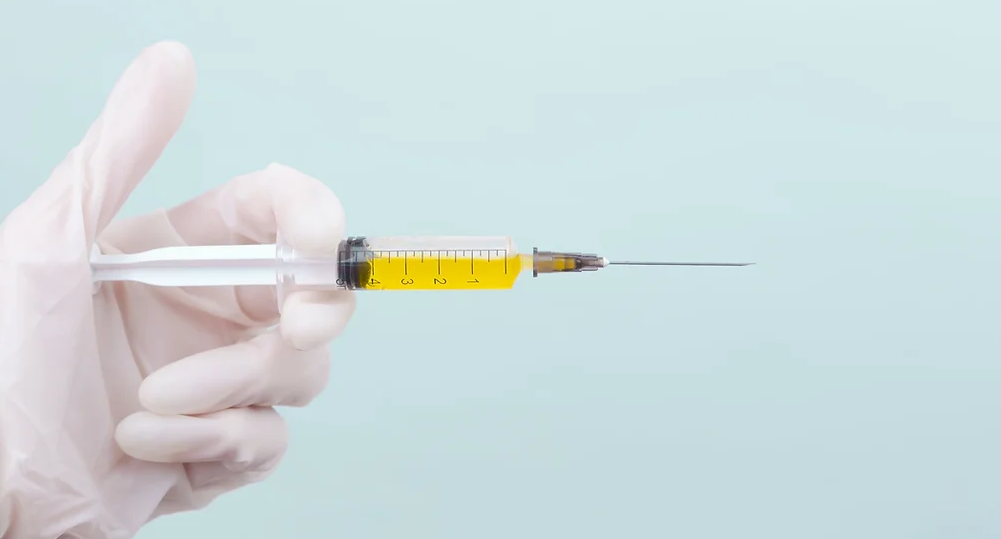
(444,270)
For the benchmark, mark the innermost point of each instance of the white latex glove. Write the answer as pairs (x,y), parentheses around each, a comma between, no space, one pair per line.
(137,401)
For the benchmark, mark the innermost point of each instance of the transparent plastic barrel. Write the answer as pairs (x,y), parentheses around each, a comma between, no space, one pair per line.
(415,254)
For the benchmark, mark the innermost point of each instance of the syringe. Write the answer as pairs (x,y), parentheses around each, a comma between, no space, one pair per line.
(360,263)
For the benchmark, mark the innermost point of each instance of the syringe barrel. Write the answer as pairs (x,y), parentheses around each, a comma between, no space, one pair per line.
(402,263)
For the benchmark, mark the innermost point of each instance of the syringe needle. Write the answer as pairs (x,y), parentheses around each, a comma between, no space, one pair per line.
(630,263)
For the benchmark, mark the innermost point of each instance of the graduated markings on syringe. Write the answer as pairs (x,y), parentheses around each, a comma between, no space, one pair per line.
(437,269)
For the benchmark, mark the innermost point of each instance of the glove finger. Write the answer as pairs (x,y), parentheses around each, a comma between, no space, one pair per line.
(254,208)
(248,209)
(143,112)
(264,371)
(241,439)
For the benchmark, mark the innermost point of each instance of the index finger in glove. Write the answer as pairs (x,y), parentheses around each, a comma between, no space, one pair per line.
(254,208)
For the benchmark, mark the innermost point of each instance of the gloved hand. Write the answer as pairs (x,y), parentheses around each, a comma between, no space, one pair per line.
(135,401)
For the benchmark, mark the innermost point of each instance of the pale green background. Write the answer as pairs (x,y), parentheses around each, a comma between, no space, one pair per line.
(848,386)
